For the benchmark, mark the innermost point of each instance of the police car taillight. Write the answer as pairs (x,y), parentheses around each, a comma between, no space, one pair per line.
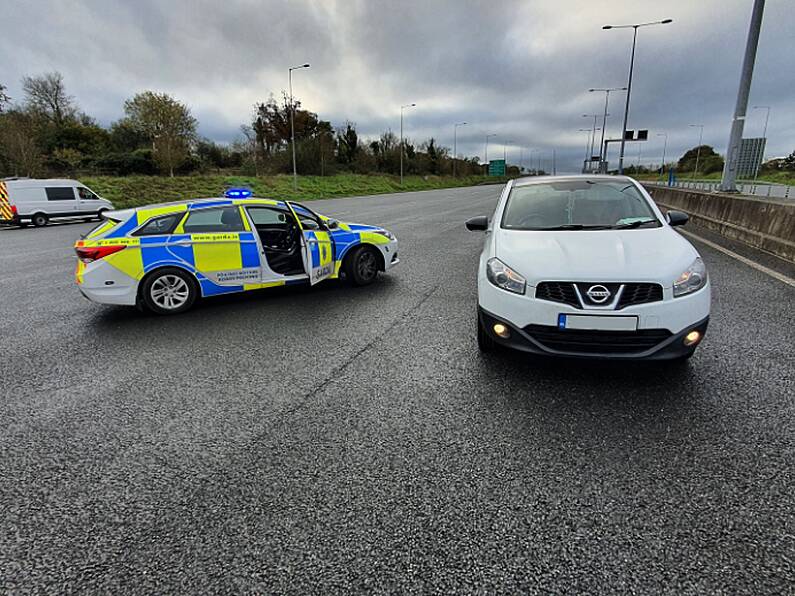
(88,254)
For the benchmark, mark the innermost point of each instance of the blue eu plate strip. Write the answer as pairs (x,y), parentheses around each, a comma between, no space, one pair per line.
(561,321)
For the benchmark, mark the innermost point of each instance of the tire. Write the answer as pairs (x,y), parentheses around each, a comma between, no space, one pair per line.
(101,214)
(169,291)
(39,220)
(361,267)
(485,342)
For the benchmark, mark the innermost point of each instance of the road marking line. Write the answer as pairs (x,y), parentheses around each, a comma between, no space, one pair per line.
(774,274)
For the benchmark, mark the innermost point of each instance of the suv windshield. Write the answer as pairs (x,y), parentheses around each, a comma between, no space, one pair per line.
(577,205)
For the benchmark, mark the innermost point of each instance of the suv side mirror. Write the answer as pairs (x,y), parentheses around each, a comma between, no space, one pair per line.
(479,223)
(677,218)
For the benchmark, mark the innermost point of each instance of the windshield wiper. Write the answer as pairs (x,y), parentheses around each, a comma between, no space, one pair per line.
(576,227)
(635,224)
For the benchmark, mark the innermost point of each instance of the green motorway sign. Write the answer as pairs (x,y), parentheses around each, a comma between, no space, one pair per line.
(497,167)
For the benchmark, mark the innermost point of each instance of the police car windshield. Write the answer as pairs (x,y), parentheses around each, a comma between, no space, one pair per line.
(577,205)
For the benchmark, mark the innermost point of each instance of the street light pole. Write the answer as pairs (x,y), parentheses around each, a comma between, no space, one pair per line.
(736,135)
(505,154)
(587,144)
(486,155)
(292,119)
(665,146)
(604,121)
(698,149)
(629,82)
(455,143)
(593,135)
(408,105)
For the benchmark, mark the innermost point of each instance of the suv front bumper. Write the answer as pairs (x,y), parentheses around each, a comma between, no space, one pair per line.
(644,344)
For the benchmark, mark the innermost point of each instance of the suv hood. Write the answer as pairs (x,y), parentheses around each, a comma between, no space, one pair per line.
(652,254)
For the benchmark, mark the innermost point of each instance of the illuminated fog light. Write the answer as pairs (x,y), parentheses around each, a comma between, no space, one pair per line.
(692,338)
(501,330)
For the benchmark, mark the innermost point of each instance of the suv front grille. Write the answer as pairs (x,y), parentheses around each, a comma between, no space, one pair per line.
(640,294)
(565,293)
(579,341)
(558,291)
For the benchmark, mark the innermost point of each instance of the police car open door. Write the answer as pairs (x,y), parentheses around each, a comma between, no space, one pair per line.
(317,248)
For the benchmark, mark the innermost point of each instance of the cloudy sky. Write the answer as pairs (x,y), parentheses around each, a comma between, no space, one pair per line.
(520,69)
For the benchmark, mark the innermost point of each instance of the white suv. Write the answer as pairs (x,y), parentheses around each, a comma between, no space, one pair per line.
(588,266)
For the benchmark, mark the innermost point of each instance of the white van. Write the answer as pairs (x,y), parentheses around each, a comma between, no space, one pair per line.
(24,200)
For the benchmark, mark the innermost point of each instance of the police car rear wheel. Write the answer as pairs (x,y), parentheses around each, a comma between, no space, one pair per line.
(169,291)
(362,266)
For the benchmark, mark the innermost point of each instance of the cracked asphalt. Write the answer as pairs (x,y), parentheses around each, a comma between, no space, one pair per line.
(339,440)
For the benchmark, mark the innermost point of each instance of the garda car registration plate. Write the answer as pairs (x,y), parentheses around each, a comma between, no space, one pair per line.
(597,322)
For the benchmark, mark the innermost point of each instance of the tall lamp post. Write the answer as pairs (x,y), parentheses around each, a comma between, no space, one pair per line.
(665,146)
(593,134)
(408,105)
(587,144)
(764,136)
(604,122)
(746,74)
(486,155)
(635,28)
(455,143)
(292,119)
(698,148)
(505,153)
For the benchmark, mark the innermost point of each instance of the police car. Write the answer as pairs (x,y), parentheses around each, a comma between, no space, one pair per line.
(164,257)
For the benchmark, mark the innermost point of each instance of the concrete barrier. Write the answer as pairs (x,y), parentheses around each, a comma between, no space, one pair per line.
(766,224)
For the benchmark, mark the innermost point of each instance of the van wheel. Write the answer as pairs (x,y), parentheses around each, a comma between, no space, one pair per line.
(101,214)
(39,220)
(169,291)
(361,267)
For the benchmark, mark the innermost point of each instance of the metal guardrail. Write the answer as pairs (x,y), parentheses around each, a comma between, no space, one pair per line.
(759,189)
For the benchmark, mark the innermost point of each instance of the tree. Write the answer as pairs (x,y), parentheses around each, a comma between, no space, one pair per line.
(167,122)
(347,143)
(708,160)
(18,145)
(4,99)
(46,96)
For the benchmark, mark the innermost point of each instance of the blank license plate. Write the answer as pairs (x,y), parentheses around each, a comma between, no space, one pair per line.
(598,323)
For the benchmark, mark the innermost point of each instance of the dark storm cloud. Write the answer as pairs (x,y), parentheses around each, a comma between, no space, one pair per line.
(520,69)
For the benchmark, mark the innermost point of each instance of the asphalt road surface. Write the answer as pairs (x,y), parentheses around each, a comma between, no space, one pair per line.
(337,439)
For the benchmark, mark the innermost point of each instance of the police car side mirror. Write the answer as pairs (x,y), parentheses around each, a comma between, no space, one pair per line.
(478,224)
(677,218)
(332,224)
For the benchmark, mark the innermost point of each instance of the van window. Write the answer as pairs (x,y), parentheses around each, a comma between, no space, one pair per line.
(226,219)
(60,193)
(160,225)
(86,194)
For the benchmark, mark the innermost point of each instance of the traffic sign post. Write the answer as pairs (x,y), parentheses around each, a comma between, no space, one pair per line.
(497,167)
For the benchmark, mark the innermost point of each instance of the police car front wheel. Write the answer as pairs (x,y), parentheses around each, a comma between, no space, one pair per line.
(362,266)
(169,291)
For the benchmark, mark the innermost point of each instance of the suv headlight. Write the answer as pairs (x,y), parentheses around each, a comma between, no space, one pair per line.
(504,277)
(692,279)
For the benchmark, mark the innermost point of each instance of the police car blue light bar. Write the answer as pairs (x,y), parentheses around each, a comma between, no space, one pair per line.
(238,193)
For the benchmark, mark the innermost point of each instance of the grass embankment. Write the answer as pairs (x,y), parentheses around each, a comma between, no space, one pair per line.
(133,191)
(787,178)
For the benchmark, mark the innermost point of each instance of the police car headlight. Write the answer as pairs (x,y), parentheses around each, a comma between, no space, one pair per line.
(502,276)
(692,279)
(386,233)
